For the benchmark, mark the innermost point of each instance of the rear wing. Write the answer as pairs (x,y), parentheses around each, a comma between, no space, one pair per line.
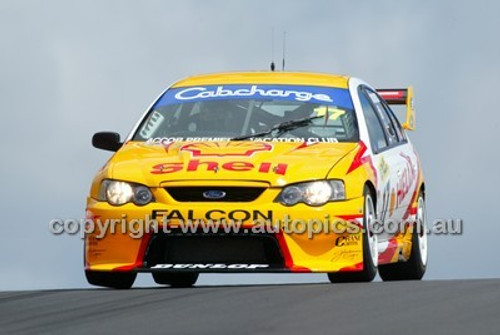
(401,96)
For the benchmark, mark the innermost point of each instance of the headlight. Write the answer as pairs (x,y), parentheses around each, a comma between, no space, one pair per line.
(315,193)
(142,195)
(120,192)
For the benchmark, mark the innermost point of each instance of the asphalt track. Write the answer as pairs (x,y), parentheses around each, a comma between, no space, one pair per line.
(427,307)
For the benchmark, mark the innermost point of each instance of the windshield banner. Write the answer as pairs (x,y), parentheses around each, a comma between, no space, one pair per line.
(309,94)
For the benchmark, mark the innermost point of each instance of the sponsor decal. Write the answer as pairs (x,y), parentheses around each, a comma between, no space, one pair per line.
(385,200)
(242,149)
(347,255)
(196,165)
(408,177)
(349,240)
(312,94)
(166,141)
(392,204)
(211,266)
(213,215)
(193,93)
(383,169)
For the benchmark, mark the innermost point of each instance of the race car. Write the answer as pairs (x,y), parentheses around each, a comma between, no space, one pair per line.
(260,172)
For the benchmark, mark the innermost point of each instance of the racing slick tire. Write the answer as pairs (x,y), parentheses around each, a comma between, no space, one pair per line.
(118,280)
(184,279)
(414,268)
(370,248)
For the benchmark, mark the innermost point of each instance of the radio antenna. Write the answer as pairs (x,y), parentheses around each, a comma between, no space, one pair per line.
(284,51)
(273,66)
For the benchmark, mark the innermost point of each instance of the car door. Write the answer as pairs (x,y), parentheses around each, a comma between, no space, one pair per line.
(407,173)
(387,161)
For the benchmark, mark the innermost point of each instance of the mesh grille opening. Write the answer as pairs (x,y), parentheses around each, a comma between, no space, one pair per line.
(198,194)
(214,248)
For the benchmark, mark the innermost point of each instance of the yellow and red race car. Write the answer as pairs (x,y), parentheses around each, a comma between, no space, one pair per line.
(260,172)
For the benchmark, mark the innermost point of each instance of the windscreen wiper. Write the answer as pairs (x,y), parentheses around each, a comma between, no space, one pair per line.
(280,127)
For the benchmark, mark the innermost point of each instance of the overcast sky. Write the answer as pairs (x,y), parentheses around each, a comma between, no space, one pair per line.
(71,68)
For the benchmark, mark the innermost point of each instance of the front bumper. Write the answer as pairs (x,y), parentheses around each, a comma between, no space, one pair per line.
(129,246)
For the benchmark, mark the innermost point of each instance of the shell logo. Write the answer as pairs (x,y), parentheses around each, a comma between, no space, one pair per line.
(199,151)
(224,149)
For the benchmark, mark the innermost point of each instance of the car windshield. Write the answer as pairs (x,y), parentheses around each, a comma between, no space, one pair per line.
(230,111)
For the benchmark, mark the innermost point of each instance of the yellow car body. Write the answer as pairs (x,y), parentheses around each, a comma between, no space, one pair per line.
(269,166)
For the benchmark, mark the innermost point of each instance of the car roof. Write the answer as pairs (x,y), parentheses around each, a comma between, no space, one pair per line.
(268,77)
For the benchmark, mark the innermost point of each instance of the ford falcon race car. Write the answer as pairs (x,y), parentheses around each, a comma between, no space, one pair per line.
(260,172)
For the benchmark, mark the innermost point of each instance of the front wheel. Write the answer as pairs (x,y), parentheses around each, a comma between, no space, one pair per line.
(181,279)
(118,280)
(414,268)
(370,247)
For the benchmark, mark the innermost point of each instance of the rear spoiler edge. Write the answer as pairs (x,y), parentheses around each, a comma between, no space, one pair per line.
(401,96)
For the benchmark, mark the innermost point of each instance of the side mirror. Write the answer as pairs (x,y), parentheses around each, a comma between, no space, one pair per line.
(106,140)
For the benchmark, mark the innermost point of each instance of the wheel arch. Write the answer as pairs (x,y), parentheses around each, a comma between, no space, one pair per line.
(373,191)
(422,189)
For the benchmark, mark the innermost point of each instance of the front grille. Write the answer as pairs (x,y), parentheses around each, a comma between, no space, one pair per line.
(232,194)
(214,248)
